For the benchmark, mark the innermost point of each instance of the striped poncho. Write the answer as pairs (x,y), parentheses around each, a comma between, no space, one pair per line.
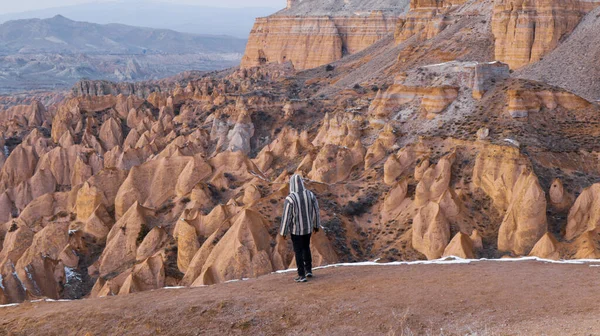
(301,210)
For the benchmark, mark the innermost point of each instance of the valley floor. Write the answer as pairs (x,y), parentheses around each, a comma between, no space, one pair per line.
(479,298)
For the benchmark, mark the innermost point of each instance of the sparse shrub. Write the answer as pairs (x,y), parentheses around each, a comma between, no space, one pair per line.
(144,230)
(359,207)
(329,67)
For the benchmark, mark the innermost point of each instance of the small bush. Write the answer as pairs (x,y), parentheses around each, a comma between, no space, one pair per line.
(144,230)
(329,67)
(359,207)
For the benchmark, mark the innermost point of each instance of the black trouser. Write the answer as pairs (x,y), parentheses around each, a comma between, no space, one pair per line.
(303,256)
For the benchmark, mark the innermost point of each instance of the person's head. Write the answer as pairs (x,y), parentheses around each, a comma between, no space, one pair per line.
(296,183)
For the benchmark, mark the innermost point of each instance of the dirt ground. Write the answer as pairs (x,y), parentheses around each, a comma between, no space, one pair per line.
(480,298)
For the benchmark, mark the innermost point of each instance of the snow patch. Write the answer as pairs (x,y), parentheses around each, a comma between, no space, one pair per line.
(451,261)
(34,301)
(71,275)
(54,39)
(237,280)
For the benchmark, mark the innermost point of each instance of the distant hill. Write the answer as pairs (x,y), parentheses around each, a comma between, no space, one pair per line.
(184,18)
(53,53)
(61,35)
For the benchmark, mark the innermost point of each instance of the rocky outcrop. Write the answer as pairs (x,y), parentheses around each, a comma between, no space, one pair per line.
(523,102)
(433,92)
(546,248)
(584,215)
(123,241)
(526,30)
(503,174)
(311,41)
(32,115)
(242,252)
(560,198)
(460,246)
(426,19)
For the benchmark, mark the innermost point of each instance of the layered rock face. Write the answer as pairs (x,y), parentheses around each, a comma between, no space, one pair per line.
(526,30)
(313,33)
(309,42)
(433,94)
(426,19)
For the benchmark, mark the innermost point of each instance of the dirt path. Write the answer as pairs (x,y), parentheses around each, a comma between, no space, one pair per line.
(482,298)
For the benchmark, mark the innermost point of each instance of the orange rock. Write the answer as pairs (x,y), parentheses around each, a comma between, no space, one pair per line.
(111,134)
(496,171)
(375,153)
(17,240)
(559,197)
(477,240)
(546,248)
(584,215)
(150,184)
(195,171)
(37,266)
(148,275)
(340,129)
(434,100)
(279,39)
(435,181)
(98,224)
(207,225)
(430,231)
(6,207)
(425,19)
(131,140)
(242,252)
(187,244)
(152,243)
(587,246)
(525,30)
(123,241)
(19,166)
(32,115)
(460,246)
(44,206)
(197,263)
(334,164)
(525,220)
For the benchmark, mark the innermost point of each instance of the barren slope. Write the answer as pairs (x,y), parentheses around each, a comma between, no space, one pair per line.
(481,298)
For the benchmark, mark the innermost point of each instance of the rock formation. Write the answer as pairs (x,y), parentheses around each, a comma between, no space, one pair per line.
(309,41)
(526,30)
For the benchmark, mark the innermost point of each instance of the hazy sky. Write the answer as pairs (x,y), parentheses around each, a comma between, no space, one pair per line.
(27,5)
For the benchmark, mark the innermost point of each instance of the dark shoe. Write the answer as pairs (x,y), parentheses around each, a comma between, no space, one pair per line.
(300,279)
(309,275)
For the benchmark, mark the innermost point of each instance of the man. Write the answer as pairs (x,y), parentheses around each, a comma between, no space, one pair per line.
(300,219)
